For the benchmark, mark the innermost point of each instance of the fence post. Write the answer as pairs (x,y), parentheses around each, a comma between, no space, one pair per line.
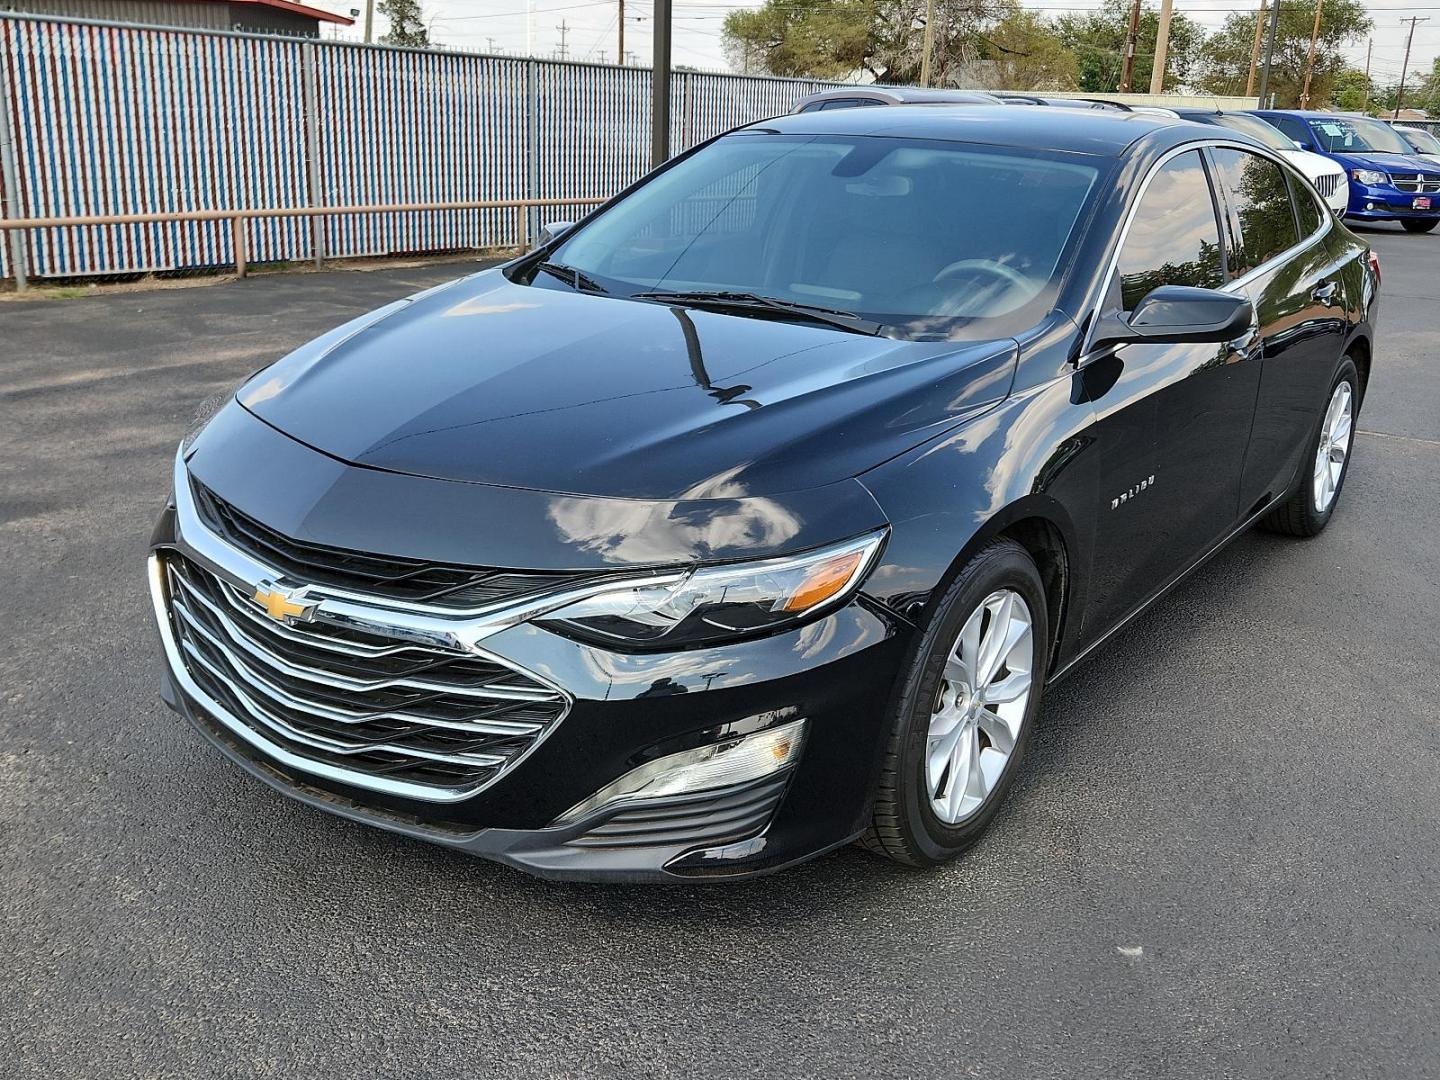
(312,149)
(16,238)
(687,117)
(238,241)
(532,150)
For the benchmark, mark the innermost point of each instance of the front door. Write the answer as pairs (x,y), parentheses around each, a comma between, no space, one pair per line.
(1173,421)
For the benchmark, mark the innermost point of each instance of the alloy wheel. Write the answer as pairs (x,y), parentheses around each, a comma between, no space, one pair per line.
(1335,434)
(979,706)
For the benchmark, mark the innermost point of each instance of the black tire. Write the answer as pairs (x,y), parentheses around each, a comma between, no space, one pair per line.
(904,827)
(1413,225)
(1297,515)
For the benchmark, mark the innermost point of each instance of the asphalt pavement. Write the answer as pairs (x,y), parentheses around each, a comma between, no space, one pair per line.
(1222,858)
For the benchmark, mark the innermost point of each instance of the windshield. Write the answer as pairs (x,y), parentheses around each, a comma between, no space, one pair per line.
(1422,141)
(922,237)
(1253,126)
(1352,135)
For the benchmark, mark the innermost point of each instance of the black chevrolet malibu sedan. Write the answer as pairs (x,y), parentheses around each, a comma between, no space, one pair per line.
(752,515)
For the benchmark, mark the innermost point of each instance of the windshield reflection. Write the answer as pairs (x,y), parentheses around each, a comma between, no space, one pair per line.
(927,238)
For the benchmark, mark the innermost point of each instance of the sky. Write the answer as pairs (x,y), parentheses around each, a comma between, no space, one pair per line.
(533,27)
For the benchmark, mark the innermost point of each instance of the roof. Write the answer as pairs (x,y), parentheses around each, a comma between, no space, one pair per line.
(1086,131)
(300,9)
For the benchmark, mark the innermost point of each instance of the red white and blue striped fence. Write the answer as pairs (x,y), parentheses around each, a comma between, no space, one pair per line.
(193,132)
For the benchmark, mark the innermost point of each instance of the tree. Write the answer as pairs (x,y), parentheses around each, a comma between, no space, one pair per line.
(1026,54)
(1097,40)
(407,24)
(1352,91)
(1426,94)
(884,38)
(1226,57)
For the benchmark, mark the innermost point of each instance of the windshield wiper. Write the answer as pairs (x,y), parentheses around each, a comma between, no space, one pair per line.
(576,279)
(722,300)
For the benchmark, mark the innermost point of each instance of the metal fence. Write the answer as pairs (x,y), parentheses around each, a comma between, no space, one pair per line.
(100,119)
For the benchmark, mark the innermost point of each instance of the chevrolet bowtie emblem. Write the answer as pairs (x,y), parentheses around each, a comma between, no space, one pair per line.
(282,606)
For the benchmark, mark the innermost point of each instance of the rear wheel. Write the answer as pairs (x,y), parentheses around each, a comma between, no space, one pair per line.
(1414,225)
(964,711)
(1308,510)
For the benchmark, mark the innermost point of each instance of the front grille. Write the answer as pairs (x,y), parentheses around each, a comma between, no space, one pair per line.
(411,580)
(1419,184)
(712,818)
(1328,184)
(354,699)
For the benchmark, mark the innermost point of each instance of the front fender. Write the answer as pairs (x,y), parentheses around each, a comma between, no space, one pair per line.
(1030,458)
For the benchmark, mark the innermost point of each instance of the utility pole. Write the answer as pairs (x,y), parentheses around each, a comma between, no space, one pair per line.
(1127,71)
(929,45)
(660,86)
(369,21)
(1162,43)
(620,24)
(1369,45)
(1255,49)
(1400,91)
(1310,56)
(563,52)
(1269,53)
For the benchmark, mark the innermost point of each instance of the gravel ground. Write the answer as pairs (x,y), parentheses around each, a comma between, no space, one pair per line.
(1222,859)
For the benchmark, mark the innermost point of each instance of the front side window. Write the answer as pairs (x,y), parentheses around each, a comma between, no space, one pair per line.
(1174,237)
(924,237)
(1291,128)
(1262,221)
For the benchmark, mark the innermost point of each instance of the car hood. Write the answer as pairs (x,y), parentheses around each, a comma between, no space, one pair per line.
(1312,165)
(1389,163)
(486,381)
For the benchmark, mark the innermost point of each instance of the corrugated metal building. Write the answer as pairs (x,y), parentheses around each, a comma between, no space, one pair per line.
(253,16)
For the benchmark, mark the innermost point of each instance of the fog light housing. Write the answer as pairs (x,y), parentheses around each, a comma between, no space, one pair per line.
(705,768)
(1369,206)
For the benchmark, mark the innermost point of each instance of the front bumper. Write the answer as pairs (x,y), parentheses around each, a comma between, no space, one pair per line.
(1388,204)
(624,709)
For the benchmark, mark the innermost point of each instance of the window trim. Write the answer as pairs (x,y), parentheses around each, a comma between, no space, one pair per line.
(1092,314)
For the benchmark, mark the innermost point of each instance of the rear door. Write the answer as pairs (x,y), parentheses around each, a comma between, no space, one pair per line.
(1173,420)
(1276,242)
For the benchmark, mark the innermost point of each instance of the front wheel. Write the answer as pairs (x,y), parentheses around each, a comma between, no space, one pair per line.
(1308,509)
(1413,225)
(964,710)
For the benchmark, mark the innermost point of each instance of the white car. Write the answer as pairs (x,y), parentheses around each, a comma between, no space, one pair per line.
(1328,177)
(1425,145)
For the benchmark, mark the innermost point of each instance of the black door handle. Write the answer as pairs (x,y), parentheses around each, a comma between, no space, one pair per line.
(1324,292)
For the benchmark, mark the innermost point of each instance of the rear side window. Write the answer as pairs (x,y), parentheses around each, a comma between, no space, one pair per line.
(1307,209)
(1174,238)
(1261,220)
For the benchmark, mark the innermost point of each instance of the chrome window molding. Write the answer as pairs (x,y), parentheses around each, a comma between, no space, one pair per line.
(1087,353)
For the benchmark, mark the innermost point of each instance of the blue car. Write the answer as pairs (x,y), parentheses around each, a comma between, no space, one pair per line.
(1388,180)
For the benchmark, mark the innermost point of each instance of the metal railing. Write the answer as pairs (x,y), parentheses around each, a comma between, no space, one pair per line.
(237,218)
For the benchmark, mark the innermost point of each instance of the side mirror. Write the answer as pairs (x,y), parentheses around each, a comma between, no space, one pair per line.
(1174,314)
(553,230)
(1300,144)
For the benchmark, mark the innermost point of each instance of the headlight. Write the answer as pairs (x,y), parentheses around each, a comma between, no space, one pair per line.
(718,602)
(1371,176)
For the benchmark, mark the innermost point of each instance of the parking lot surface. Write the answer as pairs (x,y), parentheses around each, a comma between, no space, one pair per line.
(1222,858)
